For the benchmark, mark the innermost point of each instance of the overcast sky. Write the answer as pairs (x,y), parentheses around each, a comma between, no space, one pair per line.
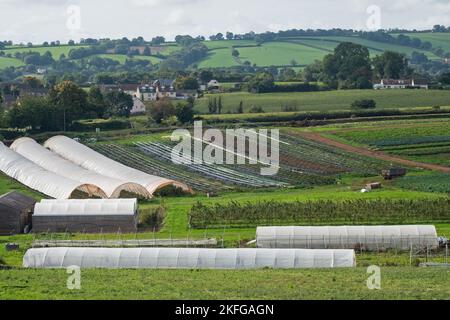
(47,20)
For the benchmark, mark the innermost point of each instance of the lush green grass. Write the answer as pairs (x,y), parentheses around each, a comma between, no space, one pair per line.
(122,58)
(56,51)
(437,39)
(397,283)
(218,58)
(228,44)
(6,62)
(328,100)
(8,185)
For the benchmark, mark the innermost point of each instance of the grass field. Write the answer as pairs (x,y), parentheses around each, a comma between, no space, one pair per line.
(328,100)
(437,39)
(121,58)
(218,58)
(397,283)
(56,51)
(6,62)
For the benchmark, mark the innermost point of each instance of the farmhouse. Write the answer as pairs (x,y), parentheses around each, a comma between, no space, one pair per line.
(15,213)
(401,84)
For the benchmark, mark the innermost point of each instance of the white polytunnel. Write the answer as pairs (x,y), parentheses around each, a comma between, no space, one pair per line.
(185,258)
(96,162)
(50,161)
(37,178)
(95,215)
(348,237)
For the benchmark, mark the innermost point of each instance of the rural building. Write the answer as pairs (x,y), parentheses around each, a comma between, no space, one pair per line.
(15,213)
(186,258)
(214,85)
(138,106)
(401,84)
(92,216)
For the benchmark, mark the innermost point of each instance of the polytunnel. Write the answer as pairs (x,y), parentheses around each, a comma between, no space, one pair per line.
(369,238)
(50,161)
(96,215)
(184,258)
(37,178)
(96,162)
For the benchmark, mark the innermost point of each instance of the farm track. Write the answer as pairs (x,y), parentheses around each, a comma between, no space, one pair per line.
(373,154)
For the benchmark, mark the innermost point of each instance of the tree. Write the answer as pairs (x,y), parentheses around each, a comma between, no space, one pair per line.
(32,82)
(364,104)
(241,107)
(445,78)
(313,72)
(390,65)
(119,104)
(70,102)
(147,51)
(35,113)
(261,82)
(185,111)
(162,109)
(287,74)
(206,76)
(349,67)
(230,35)
(235,53)
(71,43)
(158,40)
(186,83)
(219,105)
(97,101)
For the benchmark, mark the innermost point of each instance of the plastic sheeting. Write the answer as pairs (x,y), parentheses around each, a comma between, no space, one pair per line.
(86,207)
(50,161)
(174,258)
(96,162)
(37,178)
(348,237)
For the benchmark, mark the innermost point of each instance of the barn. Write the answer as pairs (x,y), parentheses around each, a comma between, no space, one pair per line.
(90,216)
(15,212)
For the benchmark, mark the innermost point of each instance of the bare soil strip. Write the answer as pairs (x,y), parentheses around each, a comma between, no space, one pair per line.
(374,154)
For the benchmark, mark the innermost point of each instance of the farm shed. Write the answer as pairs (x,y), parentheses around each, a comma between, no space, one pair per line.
(113,188)
(37,178)
(92,216)
(15,212)
(369,238)
(184,258)
(96,162)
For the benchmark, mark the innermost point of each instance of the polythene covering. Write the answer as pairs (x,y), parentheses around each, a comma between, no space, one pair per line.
(86,207)
(50,161)
(184,258)
(37,178)
(361,237)
(96,162)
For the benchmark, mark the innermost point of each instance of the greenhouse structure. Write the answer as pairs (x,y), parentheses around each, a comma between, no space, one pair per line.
(50,161)
(98,163)
(37,178)
(184,258)
(370,238)
(92,216)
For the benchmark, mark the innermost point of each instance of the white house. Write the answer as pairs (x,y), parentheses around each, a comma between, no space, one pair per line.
(138,106)
(401,84)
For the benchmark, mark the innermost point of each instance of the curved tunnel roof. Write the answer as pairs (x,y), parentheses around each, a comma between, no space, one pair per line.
(50,161)
(37,178)
(91,160)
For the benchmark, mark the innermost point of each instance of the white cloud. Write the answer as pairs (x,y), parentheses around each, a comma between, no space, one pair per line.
(40,20)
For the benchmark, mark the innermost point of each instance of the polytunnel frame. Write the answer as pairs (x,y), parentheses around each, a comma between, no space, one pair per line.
(32,175)
(103,183)
(89,164)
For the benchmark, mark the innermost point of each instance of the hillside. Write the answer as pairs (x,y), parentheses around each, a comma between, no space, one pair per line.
(297,51)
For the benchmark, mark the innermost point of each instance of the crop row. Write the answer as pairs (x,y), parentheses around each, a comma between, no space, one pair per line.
(353,212)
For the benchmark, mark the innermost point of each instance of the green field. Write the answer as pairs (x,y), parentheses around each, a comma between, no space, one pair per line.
(55,51)
(397,283)
(122,58)
(6,62)
(437,39)
(328,100)
(218,58)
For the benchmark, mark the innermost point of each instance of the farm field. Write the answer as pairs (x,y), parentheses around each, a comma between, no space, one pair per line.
(218,58)
(55,51)
(429,143)
(122,58)
(6,62)
(402,283)
(327,100)
(437,39)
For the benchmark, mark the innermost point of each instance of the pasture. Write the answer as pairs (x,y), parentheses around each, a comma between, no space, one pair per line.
(441,40)
(327,100)
(55,51)
(122,58)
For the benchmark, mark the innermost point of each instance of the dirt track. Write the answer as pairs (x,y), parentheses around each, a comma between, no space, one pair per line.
(374,154)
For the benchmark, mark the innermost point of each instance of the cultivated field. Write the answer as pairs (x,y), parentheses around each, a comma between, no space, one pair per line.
(327,100)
